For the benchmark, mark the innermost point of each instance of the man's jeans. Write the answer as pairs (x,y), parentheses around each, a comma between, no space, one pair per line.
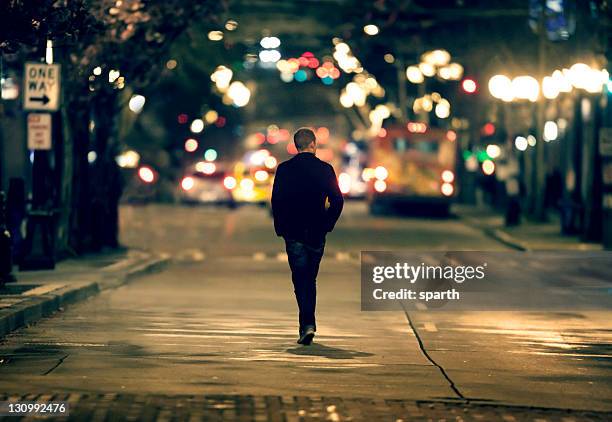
(304,259)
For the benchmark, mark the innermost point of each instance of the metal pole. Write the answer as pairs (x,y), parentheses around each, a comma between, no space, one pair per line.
(401,90)
(539,190)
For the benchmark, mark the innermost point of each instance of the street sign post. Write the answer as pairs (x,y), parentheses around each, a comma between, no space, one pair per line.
(39,131)
(41,87)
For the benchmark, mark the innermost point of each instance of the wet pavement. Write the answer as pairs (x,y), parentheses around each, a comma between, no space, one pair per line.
(219,324)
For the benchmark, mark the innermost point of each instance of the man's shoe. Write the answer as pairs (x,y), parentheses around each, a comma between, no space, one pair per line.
(307,336)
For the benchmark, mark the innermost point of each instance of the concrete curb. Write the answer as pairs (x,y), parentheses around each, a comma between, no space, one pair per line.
(495,234)
(34,308)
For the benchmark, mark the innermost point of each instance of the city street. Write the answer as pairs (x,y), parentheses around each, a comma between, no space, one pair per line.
(221,319)
(169,168)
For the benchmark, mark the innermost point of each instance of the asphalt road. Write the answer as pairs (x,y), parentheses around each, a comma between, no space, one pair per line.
(221,320)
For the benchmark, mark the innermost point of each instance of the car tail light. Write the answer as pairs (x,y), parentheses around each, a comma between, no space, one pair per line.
(447,189)
(367,174)
(229,182)
(247,184)
(146,174)
(187,183)
(381,173)
(261,175)
(380,186)
(344,182)
(448,176)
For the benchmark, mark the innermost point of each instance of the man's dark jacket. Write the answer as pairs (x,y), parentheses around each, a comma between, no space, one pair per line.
(301,187)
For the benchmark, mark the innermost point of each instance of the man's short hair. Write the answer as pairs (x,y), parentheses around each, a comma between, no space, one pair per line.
(303,138)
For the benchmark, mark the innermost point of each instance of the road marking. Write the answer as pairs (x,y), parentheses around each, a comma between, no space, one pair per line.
(343,256)
(421,306)
(194,255)
(259,256)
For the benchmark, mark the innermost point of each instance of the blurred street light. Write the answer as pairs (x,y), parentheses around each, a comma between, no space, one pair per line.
(414,74)
(269,56)
(231,25)
(136,103)
(371,29)
(128,159)
(191,145)
(579,75)
(531,141)
(347,62)
(270,42)
(551,131)
(210,154)
(346,101)
(526,88)
(469,85)
(442,109)
(500,87)
(270,162)
(493,151)
(488,167)
(222,77)
(550,87)
(456,71)
(520,142)
(239,94)
(427,69)
(436,57)
(113,75)
(49,52)
(211,116)
(197,126)
(215,35)
(146,174)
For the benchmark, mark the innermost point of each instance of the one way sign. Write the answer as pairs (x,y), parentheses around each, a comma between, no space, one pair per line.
(42,86)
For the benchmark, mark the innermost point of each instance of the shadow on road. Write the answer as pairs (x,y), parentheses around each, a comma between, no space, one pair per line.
(317,349)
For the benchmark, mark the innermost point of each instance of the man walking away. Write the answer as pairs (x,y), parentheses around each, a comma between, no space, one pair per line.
(302,187)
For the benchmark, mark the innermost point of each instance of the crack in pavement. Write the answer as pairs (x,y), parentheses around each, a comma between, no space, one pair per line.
(59,362)
(451,383)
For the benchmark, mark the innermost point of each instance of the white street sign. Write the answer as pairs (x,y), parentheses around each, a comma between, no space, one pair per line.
(41,86)
(39,131)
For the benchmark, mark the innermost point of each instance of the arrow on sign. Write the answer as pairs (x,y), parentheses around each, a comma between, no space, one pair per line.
(44,99)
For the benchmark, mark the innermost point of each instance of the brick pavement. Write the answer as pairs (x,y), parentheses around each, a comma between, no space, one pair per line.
(115,407)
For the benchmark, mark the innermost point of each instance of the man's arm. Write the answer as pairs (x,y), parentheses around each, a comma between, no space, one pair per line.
(277,201)
(336,201)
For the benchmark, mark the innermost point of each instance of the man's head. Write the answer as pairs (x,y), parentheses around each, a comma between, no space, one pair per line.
(305,140)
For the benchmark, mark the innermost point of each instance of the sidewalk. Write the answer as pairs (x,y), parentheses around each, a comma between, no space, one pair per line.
(37,294)
(87,407)
(526,236)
